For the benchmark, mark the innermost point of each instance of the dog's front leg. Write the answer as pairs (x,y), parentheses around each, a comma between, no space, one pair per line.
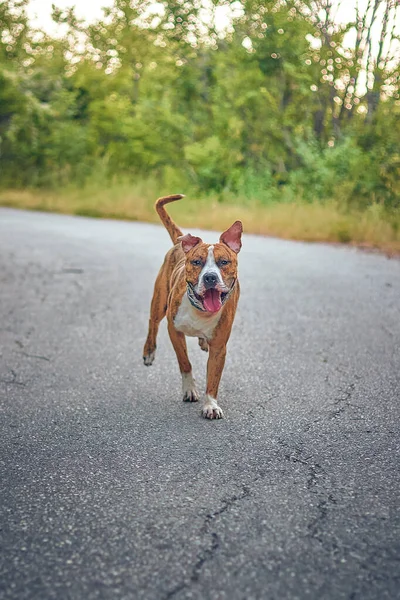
(215,366)
(189,390)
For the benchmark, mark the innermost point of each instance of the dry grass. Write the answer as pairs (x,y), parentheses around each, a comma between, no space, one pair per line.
(315,222)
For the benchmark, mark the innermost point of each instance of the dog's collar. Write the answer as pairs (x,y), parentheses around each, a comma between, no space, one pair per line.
(195,301)
(229,292)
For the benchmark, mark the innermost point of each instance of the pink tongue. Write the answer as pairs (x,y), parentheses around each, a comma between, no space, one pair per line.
(212,300)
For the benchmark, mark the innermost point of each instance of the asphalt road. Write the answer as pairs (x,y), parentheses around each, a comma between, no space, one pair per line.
(113,488)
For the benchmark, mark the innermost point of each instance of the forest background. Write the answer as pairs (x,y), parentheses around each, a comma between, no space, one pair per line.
(279,112)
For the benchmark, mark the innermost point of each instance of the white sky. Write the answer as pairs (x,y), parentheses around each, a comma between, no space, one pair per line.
(39,11)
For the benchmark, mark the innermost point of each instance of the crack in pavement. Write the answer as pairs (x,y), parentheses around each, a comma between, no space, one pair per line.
(208,554)
(317,479)
(315,527)
(12,381)
(316,476)
(35,356)
(343,402)
(226,505)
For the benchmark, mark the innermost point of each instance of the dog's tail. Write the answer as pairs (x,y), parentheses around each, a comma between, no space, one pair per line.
(168,223)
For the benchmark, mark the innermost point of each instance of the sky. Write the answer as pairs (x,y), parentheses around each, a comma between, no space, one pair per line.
(40,11)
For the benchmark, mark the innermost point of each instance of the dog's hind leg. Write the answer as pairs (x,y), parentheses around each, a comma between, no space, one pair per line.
(189,390)
(157,313)
(203,344)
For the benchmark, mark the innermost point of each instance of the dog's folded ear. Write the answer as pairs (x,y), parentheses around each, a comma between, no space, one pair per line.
(232,237)
(189,241)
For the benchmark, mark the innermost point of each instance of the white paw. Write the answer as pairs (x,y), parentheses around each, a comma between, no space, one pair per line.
(189,390)
(149,358)
(211,410)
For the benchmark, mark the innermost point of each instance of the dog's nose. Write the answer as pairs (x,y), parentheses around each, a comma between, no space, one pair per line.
(210,280)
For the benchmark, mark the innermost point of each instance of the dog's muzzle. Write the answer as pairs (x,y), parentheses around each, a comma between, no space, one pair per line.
(210,280)
(200,302)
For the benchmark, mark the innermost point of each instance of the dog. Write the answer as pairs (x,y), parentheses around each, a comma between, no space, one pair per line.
(197,288)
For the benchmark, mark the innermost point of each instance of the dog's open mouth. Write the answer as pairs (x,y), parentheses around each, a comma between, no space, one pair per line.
(211,301)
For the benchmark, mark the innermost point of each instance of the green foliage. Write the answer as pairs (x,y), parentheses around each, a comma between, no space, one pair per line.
(255,112)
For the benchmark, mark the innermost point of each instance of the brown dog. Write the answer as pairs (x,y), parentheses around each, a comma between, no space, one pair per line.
(197,288)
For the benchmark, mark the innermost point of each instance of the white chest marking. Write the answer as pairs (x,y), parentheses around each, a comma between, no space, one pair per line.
(193,323)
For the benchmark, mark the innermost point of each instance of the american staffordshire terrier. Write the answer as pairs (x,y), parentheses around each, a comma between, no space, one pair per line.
(198,289)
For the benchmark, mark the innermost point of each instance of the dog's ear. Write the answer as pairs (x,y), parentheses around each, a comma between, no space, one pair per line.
(189,241)
(232,237)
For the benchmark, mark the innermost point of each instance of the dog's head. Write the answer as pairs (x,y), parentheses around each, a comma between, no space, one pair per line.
(211,269)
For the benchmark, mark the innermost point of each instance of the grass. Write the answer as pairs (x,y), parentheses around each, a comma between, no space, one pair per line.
(313,222)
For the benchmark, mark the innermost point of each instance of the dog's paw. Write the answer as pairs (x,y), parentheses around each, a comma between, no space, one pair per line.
(203,344)
(211,410)
(189,390)
(148,359)
(191,396)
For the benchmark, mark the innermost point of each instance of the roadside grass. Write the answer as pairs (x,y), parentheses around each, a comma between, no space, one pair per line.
(373,227)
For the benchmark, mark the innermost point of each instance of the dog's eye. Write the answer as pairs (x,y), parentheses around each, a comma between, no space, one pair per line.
(197,263)
(223,263)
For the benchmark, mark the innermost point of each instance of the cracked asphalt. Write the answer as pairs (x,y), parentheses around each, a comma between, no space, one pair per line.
(113,488)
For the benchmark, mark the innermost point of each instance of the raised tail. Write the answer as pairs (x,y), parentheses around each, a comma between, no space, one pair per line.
(168,223)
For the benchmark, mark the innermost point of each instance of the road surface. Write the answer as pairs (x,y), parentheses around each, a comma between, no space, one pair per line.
(113,488)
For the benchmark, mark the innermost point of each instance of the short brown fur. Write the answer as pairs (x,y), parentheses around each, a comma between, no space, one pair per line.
(169,293)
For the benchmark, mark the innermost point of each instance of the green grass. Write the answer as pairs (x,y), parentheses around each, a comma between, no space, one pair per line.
(373,227)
